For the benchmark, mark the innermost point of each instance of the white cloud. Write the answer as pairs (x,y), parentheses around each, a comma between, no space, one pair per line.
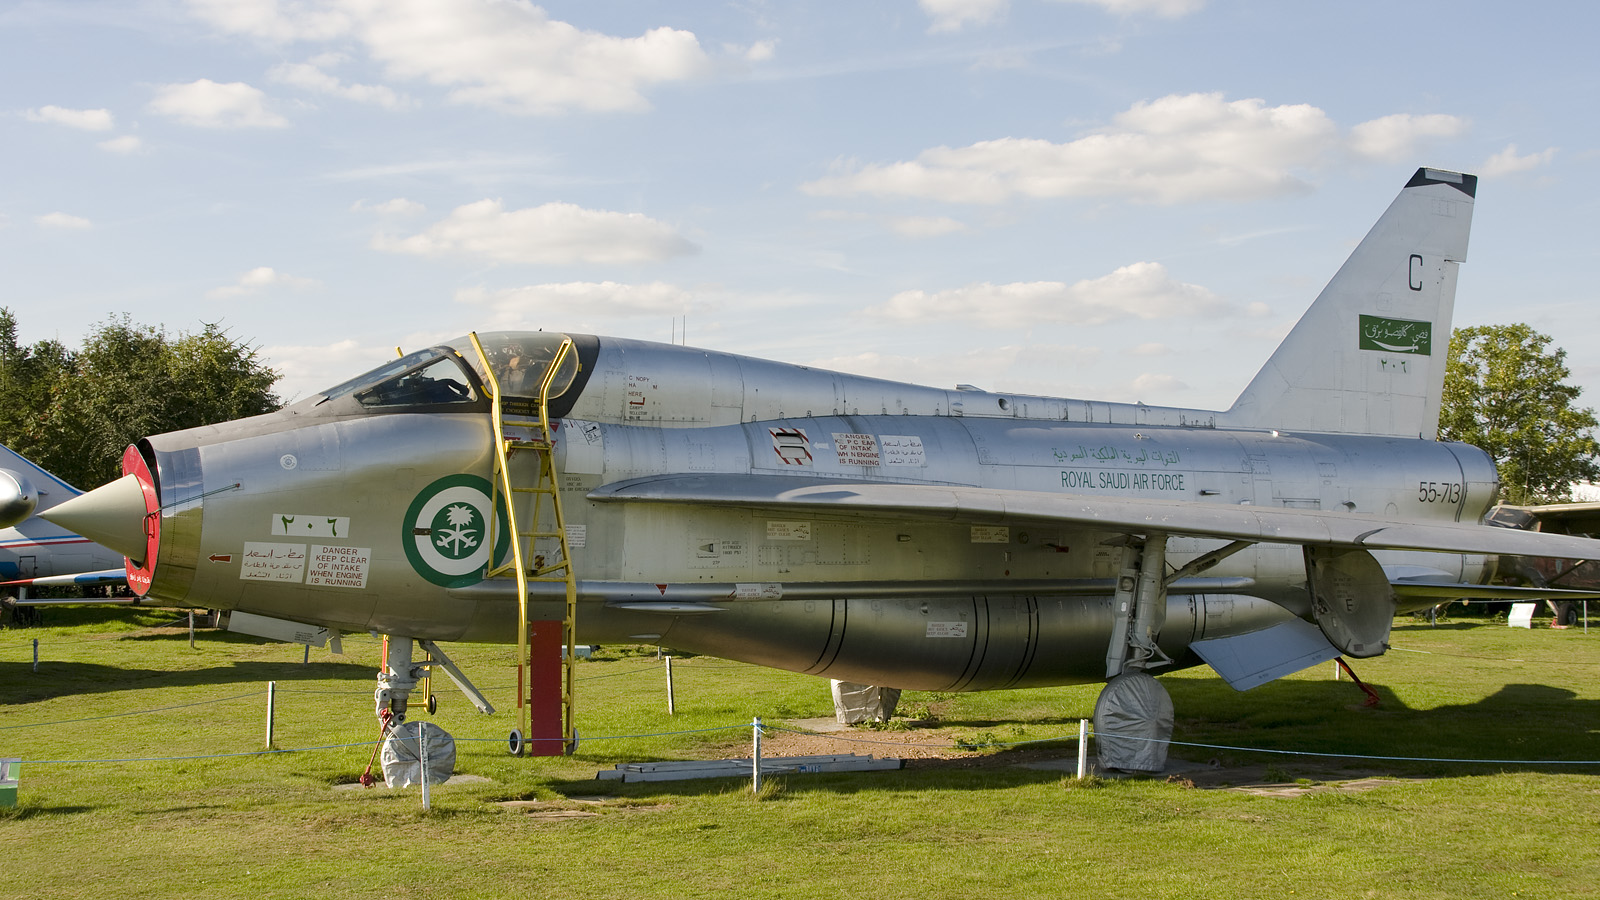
(126,143)
(954,15)
(925,226)
(1396,138)
(1171,9)
(761,51)
(534,304)
(1507,162)
(85,119)
(258,279)
(207,104)
(63,220)
(555,233)
(289,20)
(310,76)
(399,206)
(1143,290)
(1150,383)
(1175,149)
(504,54)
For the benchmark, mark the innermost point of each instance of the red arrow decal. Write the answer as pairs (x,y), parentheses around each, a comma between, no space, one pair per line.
(221,557)
(662,588)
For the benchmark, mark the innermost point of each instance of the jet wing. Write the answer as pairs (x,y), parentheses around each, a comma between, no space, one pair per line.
(966,503)
(104,576)
(80,579)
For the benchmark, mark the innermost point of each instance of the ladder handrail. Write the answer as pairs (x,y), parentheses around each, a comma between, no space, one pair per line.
(545,447)
(569,625)
(504,468)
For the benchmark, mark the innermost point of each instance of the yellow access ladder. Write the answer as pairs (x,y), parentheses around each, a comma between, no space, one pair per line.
(547,521)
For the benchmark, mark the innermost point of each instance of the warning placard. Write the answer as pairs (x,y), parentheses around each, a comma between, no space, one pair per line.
(857,449)
(788,531)
(336,565)
(271,561)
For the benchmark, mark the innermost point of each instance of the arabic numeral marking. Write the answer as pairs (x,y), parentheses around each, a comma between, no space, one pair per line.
(1439,491)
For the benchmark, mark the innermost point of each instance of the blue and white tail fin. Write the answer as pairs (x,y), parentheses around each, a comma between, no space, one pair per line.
(25,488)
(36,553)
(1369,356)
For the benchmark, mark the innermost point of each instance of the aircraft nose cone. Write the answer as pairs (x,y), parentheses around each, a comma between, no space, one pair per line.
(111,515)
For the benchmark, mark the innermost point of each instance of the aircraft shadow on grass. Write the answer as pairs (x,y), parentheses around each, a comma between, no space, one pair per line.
(63,679)
(1520,727)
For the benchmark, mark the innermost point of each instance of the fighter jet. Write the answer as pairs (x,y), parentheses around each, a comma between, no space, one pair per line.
(859,529)
(37,553)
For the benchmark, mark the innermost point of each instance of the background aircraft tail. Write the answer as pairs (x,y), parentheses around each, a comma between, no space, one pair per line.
(25,488)
(1369,356)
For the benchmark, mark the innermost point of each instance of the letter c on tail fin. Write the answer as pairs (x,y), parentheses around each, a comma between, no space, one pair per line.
(1369,356)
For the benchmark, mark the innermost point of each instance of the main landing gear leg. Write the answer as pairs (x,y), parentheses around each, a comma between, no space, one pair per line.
(1133,714)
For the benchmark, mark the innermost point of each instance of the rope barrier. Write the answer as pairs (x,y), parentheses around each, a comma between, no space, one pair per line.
(139,712)
(767,729)
(51,762)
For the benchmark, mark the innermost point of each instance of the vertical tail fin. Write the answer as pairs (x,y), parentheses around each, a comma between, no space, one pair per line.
(1368,357)
(25,488)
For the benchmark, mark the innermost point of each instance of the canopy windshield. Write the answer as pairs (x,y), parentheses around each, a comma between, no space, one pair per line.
(424,378)
(520,360)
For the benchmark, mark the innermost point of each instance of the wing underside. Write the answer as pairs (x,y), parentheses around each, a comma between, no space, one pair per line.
(966,503)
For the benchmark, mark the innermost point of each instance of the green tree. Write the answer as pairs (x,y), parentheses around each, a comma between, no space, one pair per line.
(74,413)
(27,375)
(1505,391)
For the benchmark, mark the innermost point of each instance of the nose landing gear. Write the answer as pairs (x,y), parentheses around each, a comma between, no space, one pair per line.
(397,679)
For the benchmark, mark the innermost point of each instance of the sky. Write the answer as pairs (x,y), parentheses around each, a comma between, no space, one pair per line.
(1102,199)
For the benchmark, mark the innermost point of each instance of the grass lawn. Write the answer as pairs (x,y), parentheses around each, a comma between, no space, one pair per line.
(142,779)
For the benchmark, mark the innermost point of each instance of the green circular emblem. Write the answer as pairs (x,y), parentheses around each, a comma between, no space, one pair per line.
(447,531)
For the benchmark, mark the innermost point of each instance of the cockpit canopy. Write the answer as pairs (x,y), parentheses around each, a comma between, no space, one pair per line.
(453,374)
(424,378)
(520,361)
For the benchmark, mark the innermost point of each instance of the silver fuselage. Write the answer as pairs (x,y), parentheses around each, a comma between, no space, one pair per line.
(956,604)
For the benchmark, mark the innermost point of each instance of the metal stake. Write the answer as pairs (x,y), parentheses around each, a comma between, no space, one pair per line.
(272,701)
(672,706)
(755,760)
(1083,748)
(422,754)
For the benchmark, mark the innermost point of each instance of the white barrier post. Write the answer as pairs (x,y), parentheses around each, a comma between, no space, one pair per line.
(672,703)
(1083,748)
(755,758)
(10,781)
(272,702)
(422,755)
(191,629)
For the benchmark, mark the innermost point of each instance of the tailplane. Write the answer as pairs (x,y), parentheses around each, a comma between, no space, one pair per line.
(1369,356)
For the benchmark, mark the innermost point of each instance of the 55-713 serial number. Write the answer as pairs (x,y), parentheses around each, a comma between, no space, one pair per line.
(1439,492)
